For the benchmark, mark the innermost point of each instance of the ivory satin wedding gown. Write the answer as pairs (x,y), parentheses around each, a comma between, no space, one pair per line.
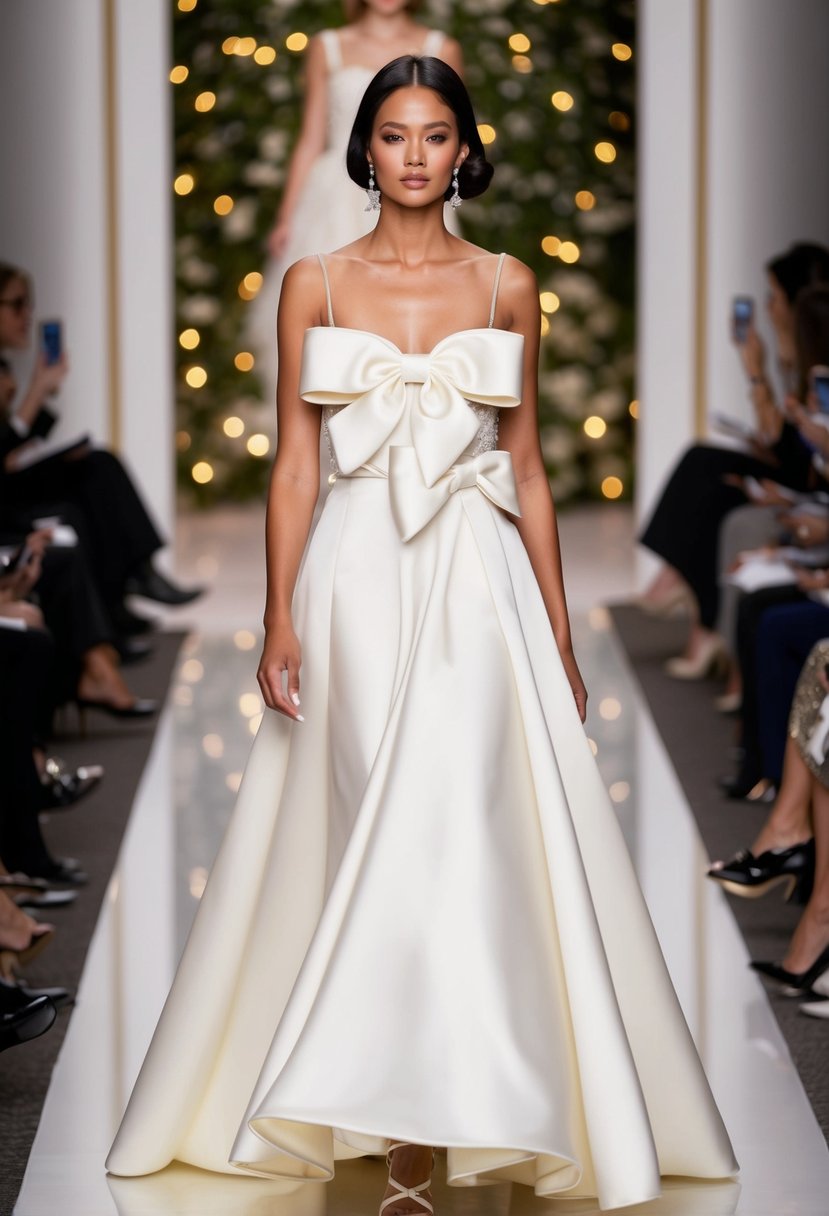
(423,924)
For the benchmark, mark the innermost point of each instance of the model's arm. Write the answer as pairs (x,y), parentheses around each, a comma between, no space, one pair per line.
(310,144)
(293,488)
(518,434)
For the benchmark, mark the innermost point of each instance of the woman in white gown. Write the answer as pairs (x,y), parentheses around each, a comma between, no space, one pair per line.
(423,927)
(339,66)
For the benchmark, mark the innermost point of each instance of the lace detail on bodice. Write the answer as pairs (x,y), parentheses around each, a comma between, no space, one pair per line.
(486,439)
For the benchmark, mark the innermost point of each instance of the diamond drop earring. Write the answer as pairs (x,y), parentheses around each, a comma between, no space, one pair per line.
(456,200)
(373,194)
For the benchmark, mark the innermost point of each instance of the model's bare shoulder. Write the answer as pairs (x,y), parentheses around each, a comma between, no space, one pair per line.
(303,288)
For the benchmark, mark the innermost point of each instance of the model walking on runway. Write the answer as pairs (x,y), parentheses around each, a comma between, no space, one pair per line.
(423,928)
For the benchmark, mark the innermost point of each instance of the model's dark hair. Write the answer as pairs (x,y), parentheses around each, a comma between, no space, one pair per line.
(801,266)
(428,72)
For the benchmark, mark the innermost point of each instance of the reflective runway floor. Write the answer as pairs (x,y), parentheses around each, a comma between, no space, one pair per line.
(185,798)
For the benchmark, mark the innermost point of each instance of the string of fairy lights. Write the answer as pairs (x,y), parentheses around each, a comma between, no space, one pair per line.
(564,261)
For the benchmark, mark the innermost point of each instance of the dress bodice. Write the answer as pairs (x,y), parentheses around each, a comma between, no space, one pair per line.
(426,422)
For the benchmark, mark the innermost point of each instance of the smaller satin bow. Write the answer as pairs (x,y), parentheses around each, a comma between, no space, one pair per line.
(414,504)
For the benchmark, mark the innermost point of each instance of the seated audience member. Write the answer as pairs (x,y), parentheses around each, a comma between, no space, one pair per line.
(704,487)
(119,537)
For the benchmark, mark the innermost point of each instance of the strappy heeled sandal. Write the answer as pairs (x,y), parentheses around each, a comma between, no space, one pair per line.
(406,1192)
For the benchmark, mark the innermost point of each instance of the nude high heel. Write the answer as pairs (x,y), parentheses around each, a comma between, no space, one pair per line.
(405,1192)
(712,659)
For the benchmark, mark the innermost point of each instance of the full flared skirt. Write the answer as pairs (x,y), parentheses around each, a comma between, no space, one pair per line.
(424,918)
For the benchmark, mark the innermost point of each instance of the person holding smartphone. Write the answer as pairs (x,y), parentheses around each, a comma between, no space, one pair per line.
(706,485)
(122,537)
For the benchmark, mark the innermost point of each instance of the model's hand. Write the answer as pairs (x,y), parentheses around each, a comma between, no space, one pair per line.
(281,653)
(576,683)
(279,237)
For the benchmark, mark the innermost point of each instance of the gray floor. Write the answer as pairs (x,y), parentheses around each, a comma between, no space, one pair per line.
(700,742)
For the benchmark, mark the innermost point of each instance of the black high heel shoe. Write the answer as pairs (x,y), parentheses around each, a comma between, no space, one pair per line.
(800,982)
(151,584)
(63,787)
(751,877)
(27,1023)
(748,788)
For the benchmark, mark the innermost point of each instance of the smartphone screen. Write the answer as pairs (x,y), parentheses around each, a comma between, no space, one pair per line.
(51,340)
(820,384)
(743,314)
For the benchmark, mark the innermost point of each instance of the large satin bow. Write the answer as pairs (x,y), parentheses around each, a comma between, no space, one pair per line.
(368,374)
(414,504)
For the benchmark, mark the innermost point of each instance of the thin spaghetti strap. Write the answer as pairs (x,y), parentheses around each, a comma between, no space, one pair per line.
(333,52)
(495,289)
(432,42)
(327,289)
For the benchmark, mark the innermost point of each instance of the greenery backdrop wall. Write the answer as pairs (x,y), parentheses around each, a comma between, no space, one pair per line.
(554,90)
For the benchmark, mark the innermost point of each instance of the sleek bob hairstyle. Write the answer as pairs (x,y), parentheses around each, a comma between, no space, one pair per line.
(427,72)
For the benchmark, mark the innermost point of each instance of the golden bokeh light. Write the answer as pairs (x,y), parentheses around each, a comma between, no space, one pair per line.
(618,120)
(545,325)
(223,205)
(594,427)
(250,285)
(486,132)
(605,152)
(549,301)
(233,427)
(633,409)
(259,445)
(243,639)
(179,74)
(609,709)
(192,671)
(196,376)
(522,63)
(519,43)
(621,50)
(187,6)
(585,200)
(569,252)
(619,791)
(213,746)
(244,46)
(184,440)
(205,101)
(189,338)
(551,245)
(264,55)
(562,100)
(296,42)
(612,487)
(250,703)
(184,183)
(244,361)
(229,44)
(202,472)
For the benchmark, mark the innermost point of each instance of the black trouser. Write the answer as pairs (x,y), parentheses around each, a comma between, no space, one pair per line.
(117,530)
(25,666)
(750,614)
(74,615)
(685,526)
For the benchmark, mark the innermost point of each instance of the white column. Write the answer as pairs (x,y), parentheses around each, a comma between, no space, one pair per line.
(732,170)
(666,238)
(88,211)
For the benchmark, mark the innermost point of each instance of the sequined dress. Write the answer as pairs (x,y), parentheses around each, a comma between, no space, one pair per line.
(423,924)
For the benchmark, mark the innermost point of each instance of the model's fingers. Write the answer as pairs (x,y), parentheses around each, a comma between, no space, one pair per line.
(293,683)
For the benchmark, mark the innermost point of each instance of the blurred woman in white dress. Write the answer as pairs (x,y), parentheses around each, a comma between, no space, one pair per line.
(340,64)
